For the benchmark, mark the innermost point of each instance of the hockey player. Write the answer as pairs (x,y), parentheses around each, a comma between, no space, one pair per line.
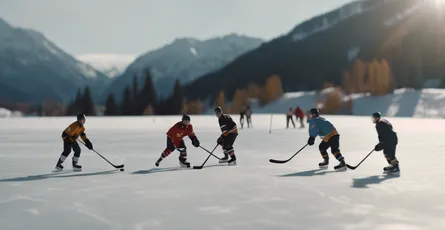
(69,137)
(319,126)
(175,141)
(387,142)
(299,114)
(289,117)
(228,136)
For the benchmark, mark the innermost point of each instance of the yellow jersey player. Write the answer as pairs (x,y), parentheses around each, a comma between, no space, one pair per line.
(69,137)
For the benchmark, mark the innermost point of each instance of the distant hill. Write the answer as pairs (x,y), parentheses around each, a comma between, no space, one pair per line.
(33,69)
(185,59)
(407,33)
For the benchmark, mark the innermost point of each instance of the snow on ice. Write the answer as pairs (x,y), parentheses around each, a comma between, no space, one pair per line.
(254,195)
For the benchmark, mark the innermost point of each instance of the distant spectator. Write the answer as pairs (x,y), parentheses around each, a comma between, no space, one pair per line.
(249,116)
(242,113)
(299,114)
(289,117)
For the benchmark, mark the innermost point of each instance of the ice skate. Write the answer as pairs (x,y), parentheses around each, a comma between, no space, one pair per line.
(392,170)
(158,162)
(76,166)
(59,167)
(341,166)
(183,163)
(224,159)
(324,164)
(232,161)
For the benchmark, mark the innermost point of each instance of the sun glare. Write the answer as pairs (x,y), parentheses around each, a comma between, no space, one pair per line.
(439,2)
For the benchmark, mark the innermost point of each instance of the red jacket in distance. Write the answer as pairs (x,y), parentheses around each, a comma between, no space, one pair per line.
(178,131)
(299,113)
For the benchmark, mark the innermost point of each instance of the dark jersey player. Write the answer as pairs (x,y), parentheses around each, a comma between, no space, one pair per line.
(228,136)
(387,142)
(319,126)
(175,141)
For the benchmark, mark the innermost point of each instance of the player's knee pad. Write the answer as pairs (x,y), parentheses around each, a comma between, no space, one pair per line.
(335,150)
(227,147)
(77,154)
(166,152)
(66,152)
(323,147)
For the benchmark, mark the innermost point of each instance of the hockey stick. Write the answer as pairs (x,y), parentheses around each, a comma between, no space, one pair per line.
(115,166)
(285,161)
(354,167)
(211,153)
(201,166)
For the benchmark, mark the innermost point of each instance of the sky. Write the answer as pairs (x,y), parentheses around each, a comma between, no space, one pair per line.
(132,27)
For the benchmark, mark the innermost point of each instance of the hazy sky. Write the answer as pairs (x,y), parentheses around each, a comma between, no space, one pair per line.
(135,26)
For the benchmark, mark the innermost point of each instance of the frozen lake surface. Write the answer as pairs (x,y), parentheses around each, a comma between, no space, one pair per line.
(254,195)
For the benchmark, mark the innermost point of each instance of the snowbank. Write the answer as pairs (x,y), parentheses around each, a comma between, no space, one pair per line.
(403,103)
(7,113)
(4,113)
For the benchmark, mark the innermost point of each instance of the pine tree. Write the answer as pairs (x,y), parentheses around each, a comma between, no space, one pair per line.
(87,103)
(111,108)
(137,107)
(177,98)
(127,105)
(147,96)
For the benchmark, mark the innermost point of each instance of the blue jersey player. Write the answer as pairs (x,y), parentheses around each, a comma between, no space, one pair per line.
(319,126)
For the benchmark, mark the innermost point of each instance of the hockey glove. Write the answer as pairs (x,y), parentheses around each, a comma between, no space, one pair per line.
(378,147)
(88,144)
(195,142)
(220,141)
(311,141)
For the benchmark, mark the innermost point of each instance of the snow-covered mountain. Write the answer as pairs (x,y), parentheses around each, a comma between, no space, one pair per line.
(184,59)
(406,33)
(34,69)
(110,64)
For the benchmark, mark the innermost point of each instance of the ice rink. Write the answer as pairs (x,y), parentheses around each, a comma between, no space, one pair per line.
(253,195)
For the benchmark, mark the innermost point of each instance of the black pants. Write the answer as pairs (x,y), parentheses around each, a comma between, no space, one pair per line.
(241,120)
(67,146)
(289,118)
(229,140)
(389,149)
(334,144)
(171,147)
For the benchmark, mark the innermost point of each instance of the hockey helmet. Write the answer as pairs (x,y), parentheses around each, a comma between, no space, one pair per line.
(314,112)
(185,117)
(81,116)
(218,110)
(377,115)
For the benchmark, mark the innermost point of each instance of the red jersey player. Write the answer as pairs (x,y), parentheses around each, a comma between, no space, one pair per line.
(175,141)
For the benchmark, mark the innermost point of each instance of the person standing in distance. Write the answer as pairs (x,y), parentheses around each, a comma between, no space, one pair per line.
(319,126)
(242,113)
(289,117)
(387,142)
(175,141)
(228,136)
(69,137)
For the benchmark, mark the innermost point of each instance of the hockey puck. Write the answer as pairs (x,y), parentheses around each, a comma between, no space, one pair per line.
(122,169)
